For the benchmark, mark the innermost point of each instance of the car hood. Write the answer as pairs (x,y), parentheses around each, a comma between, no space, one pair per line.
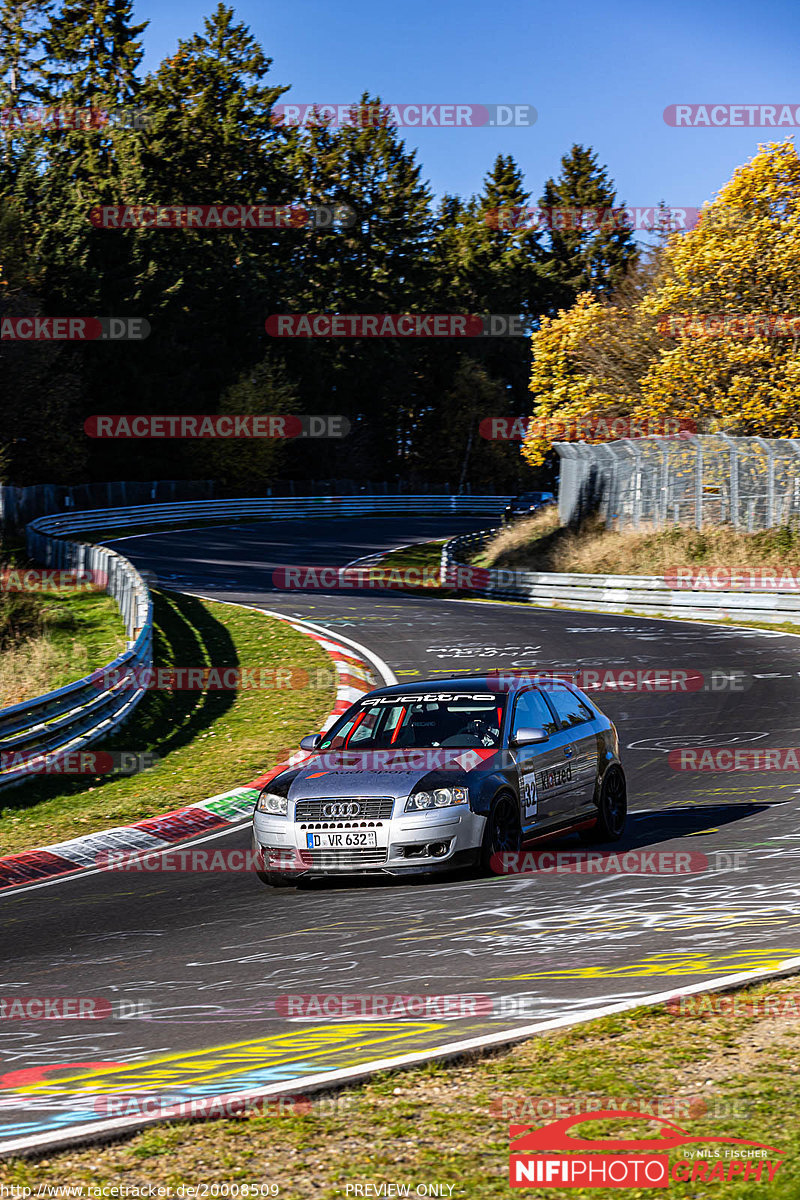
(385,773)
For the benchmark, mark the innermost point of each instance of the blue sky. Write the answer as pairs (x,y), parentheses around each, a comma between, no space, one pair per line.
(599,73)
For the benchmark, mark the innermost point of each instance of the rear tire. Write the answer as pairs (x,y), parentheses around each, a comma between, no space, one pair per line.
(502,833)
(612,809)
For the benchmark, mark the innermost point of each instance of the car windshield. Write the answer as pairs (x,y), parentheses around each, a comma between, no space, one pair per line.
(432,719)
(530,498)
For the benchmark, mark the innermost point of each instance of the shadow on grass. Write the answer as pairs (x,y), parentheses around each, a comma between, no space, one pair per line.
(184,635)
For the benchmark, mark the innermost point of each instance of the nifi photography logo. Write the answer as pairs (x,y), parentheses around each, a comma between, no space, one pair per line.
(578,1161)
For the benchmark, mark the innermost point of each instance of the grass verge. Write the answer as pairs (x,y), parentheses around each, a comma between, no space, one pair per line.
(206,742)
(541,544)
(51,639)
(422,557)
(722,1075)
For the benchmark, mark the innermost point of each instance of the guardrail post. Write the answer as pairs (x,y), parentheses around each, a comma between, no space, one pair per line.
(770,501)
(698,483)
(733,447)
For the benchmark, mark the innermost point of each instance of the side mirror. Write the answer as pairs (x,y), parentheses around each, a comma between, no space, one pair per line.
(528,737)
(311,741)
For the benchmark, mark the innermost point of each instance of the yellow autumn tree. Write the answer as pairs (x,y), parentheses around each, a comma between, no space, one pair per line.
(564,391)
(626,358)
(743,260)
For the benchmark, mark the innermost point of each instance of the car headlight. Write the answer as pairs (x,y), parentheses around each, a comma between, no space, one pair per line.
(276,806)
(438,798)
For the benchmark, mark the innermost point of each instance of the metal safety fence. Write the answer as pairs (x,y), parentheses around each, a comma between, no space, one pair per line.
(20,505)
(750,483)
(36,734)
(273,508)
(71,718)
(651,595)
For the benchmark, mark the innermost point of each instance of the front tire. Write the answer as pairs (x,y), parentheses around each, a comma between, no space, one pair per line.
(503,832)
(275,880)
(612,809)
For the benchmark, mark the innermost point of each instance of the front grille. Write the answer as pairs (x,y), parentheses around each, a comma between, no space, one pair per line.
(373,808)
(341,824)
(331,859)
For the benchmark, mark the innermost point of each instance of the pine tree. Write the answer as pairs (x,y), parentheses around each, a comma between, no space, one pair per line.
(210,139)
(22,24)
(585,259)
(93,51)
(381,263)
(488,265)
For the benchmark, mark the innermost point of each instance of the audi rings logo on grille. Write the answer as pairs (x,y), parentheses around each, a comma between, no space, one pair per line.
(342,810)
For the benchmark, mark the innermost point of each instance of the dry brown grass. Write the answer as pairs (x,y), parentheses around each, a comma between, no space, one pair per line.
(34,667)
(49,639)
(540,544)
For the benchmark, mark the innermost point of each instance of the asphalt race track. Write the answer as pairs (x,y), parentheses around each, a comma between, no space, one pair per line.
(208,954)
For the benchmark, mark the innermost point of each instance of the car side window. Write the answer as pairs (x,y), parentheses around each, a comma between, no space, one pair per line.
(570,708)
(532,712)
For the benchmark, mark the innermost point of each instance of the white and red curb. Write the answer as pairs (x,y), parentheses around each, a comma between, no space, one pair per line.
(358,670)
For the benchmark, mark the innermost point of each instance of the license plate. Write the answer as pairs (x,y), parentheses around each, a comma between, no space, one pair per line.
(347,839)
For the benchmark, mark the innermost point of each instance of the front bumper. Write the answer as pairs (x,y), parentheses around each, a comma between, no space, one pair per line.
(405,843)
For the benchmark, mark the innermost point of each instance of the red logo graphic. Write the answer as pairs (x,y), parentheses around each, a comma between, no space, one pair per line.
(614,1167)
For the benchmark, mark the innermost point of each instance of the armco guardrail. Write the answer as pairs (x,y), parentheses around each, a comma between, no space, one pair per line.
(77,715)
(36,734)
(648,594)
(270,508)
